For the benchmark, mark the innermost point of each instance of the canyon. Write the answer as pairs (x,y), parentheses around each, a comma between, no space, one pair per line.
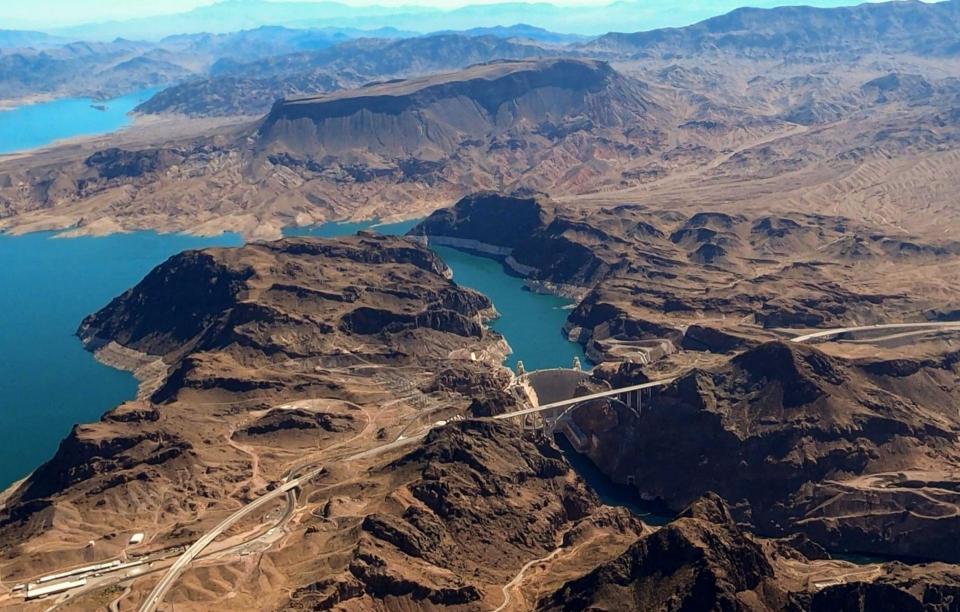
(320,421)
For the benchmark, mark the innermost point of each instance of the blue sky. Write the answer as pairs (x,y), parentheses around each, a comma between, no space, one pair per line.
(52,13)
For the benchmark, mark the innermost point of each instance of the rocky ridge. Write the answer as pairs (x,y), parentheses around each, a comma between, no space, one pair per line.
(858,455)
(704,561)
(650,282)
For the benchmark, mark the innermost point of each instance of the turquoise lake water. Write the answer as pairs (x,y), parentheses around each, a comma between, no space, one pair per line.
(531,322)
(48,381)
(37,125)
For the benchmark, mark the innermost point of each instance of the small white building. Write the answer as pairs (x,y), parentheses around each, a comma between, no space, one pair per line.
(136,538)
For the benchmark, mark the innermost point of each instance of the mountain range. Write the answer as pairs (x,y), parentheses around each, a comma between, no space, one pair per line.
(232,15)
(742,213)
(818,126)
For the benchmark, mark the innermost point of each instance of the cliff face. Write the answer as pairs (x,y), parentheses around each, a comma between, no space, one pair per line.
(800,441)
(479,218)
(432,117)
(650,281)
(704,561)
(272,349)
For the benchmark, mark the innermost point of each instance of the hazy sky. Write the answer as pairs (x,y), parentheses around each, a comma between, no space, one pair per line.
(52,13)
(13,13)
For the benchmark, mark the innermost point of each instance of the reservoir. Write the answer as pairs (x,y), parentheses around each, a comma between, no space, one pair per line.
(38,125)
(531,322)
(48,381)
(50,284)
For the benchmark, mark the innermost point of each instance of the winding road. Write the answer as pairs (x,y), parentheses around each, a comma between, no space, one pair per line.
(180,565)
(173,573)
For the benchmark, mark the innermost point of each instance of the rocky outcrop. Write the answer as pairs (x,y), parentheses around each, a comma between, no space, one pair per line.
(802,442)
(174,305)
(702,338)
(248,294)
(380,581)
(478,219)
(282,420)
(117,163)
(430,117)
(700,561)
(703,561)
(92,450)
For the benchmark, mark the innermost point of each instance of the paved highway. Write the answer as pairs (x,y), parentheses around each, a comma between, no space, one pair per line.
(173,573)
(157,594)
(826,333)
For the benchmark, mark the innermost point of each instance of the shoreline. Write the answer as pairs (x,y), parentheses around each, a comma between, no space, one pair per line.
(167,126)
(11,104)
(504,255)
(136,121)
(149,370)
(12,488)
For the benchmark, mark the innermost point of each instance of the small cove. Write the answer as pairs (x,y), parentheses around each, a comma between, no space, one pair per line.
(37,125)
(50,382)
(531,322)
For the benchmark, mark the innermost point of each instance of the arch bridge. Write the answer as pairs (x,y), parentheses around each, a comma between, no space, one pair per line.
(555,400)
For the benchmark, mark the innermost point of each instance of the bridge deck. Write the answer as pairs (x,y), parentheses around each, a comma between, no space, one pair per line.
(587,398)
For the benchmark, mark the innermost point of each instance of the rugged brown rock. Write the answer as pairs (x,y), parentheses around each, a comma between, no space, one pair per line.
(356,354)
(475,499)
(859,455)
(703,561)
(651,281)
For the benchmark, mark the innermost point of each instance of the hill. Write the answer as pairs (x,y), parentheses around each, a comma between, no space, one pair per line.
(803,440)
(251,87)
(432,117)
(804,32)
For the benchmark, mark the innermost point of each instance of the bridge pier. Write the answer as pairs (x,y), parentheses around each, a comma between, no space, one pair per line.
(632,399)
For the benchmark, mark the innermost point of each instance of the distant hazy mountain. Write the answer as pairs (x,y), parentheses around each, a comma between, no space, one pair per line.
(32,63)
(267,41)
(523,31)
(25,38)
(801,32)
(250,88)
(233,15)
